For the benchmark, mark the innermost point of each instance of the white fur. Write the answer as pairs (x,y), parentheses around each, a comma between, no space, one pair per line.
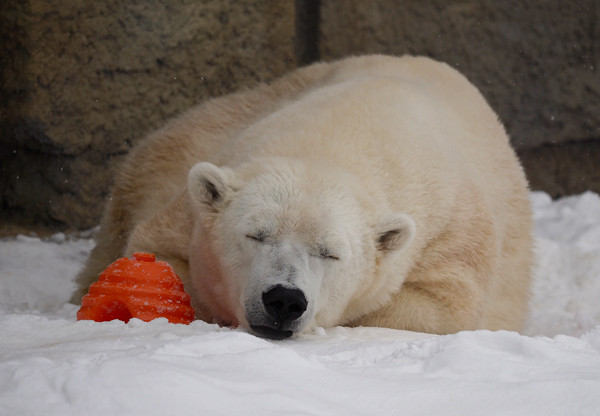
(385,189)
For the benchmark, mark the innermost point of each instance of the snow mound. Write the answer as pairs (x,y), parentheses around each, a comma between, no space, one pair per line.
(566,288)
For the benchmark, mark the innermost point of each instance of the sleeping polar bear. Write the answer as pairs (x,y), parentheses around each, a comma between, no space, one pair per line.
(375,191)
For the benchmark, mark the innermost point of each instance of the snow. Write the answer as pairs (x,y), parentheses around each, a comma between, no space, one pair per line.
(52,365)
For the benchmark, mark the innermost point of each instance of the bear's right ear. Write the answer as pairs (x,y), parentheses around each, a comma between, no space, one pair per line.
(210,186)
(394,232)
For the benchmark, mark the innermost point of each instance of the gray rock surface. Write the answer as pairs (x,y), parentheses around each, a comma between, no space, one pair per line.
(537,62)
(83,81)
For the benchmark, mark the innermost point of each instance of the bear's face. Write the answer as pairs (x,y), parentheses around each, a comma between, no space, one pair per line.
(281,248)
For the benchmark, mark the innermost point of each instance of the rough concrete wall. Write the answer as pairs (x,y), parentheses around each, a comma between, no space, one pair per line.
(564,168)
(537,62)
(82,81)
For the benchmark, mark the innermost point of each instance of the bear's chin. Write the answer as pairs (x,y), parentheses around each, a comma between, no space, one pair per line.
(271,333)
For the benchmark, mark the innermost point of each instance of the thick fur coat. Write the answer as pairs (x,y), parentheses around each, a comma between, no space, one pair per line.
(374,191)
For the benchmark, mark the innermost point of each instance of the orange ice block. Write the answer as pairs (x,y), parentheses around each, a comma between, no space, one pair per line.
(137,287)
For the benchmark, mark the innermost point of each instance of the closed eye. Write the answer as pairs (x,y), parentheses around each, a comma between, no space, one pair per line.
(326,254)
(259,236)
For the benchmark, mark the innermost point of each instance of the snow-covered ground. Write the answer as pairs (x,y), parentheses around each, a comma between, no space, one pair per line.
(52,365)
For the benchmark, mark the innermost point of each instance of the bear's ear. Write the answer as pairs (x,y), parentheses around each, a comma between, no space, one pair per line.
(210,186)
(394,232)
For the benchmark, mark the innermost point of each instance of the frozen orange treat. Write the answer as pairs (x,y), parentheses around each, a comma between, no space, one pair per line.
(137,287)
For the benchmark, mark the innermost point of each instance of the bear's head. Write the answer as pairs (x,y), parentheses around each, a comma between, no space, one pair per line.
(280,247)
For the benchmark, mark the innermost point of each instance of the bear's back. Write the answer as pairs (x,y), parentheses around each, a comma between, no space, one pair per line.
(413,128)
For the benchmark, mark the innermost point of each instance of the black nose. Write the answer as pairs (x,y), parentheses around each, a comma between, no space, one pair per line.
(284,305)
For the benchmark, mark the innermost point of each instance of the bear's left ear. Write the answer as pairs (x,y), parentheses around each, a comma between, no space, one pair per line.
(210,186)
(394,232)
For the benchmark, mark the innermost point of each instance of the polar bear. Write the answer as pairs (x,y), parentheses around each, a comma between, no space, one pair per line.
(374,191)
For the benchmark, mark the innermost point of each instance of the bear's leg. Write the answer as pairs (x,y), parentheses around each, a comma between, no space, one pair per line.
(110,243)
(454,285)
(167,235)
(432,306)
(447,290)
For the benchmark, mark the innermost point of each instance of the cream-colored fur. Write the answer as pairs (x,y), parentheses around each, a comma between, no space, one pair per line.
(398,165)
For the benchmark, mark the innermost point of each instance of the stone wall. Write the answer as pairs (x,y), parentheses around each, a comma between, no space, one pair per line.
(536,62)
(81,82)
